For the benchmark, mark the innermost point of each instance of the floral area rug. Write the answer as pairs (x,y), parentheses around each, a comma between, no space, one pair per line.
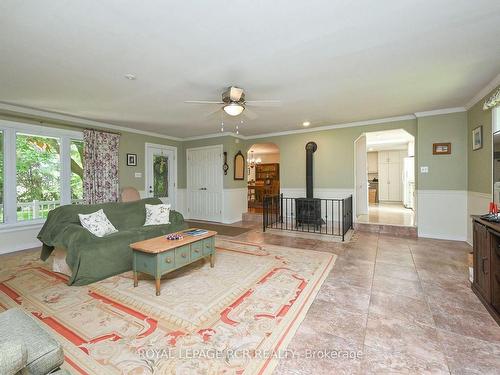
(235,318)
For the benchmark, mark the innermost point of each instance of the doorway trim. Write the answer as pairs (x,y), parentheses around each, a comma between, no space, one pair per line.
(220,148)
(174,166)
(415,208)
(364,182)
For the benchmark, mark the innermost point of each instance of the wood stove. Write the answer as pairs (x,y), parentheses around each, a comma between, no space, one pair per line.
(308,210)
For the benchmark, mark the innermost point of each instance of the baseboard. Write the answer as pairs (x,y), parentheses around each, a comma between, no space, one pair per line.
(442,237)
(19,247)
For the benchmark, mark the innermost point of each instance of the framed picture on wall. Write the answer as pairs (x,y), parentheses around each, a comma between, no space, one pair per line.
(132,160)
(477,138)
(441,148)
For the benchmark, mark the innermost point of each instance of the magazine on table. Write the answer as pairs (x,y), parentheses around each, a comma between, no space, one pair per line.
(196,232)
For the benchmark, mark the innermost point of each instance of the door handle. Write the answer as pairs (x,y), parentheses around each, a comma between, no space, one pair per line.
(151,189)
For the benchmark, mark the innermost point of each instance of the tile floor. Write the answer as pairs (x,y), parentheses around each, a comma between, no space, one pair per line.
(404,306)
(391,306)
(388,213)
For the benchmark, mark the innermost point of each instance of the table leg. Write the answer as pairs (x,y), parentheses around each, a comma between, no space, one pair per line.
(158,280)
(136,282)
(212,260)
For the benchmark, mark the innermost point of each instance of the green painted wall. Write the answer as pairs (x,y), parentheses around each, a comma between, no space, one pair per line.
(229,144)
(334,159)
(479,162)
(131,143)
(446,172)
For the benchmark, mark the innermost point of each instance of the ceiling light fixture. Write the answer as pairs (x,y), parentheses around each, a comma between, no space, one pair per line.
(234,109)
(306,123)
(130,76)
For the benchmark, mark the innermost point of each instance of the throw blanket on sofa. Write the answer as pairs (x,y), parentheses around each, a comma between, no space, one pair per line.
(93,258)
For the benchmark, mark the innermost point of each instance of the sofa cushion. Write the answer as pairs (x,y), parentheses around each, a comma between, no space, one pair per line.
(97,223)
(13,357)
(157,214)
(44,353)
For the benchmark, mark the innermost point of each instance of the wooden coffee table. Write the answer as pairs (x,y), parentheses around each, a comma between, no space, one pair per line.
(158,256)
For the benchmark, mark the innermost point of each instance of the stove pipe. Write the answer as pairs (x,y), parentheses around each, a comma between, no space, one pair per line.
(311,147)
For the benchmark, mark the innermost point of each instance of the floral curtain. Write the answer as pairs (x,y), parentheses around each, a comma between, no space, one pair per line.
(493,101)
(100,180)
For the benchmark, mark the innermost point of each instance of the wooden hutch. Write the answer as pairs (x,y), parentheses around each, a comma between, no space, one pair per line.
(267,182)
(486,282)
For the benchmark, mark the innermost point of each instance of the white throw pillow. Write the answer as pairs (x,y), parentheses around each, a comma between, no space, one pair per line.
(157,214)
(97,223)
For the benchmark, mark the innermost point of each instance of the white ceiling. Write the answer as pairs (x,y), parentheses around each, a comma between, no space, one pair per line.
(328,61)
(396,139)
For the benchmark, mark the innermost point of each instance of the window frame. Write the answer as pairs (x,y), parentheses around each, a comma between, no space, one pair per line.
(10,130)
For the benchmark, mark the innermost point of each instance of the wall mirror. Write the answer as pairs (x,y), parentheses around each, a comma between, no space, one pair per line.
(239,166)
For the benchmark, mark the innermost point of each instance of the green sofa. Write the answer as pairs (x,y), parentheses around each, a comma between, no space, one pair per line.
(93,258)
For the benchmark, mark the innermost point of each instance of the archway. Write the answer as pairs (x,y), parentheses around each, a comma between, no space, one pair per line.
(385,178)
(263,160)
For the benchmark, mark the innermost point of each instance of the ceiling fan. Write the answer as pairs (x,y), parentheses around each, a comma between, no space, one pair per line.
(234,103)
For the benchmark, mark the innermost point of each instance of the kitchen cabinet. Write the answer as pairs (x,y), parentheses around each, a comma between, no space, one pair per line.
(390,175)
(372,162)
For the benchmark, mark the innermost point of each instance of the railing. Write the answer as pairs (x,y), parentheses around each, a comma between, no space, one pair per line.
(322,216)
(37,209)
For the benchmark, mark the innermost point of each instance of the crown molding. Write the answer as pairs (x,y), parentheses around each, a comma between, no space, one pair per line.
(77,121)
(483,92)
(443,111)
(214,135)
(26,111)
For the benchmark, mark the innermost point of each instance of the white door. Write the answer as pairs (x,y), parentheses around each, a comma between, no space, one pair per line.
(361,177)
(204,183)
(161,173)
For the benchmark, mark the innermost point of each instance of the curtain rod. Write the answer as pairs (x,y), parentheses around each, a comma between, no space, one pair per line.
(104,131)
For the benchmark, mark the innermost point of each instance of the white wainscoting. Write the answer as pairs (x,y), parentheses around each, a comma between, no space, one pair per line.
(20,238)
(318,193)
(321,193)
(180,202)
(442,214)
(234,204)
(477,204)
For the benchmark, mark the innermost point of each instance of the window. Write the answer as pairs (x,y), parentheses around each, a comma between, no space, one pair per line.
(38,176)
(76,154)
(41,168)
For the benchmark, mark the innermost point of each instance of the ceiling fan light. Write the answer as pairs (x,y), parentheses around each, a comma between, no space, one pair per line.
(233,109)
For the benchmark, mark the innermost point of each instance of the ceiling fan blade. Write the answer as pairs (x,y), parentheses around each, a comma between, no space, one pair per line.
(235,93)
(250,114)
(263,103)
(202,102)
(212,113)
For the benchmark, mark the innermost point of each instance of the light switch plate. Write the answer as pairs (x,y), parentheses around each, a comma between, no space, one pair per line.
(424,169)
(138,174)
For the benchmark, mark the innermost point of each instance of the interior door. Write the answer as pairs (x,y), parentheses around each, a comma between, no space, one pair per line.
(160,173)
(204,183)
(361,177)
